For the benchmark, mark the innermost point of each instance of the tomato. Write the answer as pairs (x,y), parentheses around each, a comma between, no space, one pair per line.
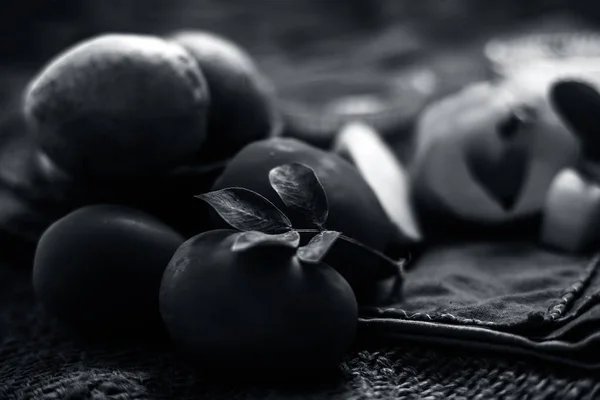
(242,107)
(354,208)
(99,269)
(119,105)
(258,308)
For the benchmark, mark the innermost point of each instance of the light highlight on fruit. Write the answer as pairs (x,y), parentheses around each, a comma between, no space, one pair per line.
(119,105)
(384,173)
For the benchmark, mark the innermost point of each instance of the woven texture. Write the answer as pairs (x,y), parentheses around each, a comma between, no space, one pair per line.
(38,360)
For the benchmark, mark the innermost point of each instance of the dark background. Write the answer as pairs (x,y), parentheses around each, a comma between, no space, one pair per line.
(34,29)
(294,41)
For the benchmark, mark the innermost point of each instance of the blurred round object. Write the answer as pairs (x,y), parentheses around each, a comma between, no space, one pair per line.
(485,157)
(315,110)
(544,56)
(242,100)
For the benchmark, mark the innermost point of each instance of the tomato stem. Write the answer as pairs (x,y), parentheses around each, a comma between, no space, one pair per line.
(400,264)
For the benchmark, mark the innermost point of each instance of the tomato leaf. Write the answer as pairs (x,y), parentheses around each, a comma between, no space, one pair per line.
(247,210)
(251,239)
(301,191)
(318,247)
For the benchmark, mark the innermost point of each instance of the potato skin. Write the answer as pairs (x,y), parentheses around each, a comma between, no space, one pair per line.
(98,270)
(259,308)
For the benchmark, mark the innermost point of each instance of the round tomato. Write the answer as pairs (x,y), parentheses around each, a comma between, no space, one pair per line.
(99,269)
(257,308)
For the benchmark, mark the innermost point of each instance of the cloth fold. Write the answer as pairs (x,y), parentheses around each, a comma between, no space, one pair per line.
(506,296)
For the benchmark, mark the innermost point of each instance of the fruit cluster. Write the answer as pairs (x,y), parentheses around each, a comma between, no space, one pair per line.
(131,105)
(280,289)
(243,297)
(292,238)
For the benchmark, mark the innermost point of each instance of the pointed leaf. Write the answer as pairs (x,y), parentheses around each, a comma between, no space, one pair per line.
(250,239)
(318,247)
(246,210)
(301,191)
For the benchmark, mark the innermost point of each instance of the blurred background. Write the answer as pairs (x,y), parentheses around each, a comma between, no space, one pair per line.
(313,50)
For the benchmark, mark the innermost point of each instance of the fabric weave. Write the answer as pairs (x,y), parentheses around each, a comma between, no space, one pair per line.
(39,360)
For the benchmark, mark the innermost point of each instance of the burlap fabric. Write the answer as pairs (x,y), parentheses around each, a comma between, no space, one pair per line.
(399,352)
(38,360)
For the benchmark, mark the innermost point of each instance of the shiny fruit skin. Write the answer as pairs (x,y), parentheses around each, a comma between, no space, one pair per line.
(354,209)
(242,99)
(98,270)
(119,105)
(256,309)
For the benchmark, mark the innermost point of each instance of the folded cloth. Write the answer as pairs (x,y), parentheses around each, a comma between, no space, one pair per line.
(511,296)
(498,295)
(40,360)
